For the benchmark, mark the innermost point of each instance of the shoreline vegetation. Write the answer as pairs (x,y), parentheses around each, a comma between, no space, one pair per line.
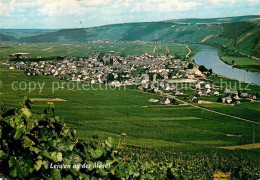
(240,62)
(228,61)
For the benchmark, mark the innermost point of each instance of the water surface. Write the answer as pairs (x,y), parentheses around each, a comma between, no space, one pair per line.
(208,56)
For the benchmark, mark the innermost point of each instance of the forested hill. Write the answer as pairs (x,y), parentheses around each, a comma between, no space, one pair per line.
(238,33)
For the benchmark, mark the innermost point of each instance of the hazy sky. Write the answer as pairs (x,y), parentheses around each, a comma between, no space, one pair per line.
(28,14)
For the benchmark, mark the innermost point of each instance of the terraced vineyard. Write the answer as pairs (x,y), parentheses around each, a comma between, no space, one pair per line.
(52,51)
(112,112)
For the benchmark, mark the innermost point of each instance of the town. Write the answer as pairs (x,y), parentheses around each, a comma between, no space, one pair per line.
(164,74)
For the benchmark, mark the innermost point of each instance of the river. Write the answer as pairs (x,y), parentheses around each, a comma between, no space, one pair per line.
(208,56)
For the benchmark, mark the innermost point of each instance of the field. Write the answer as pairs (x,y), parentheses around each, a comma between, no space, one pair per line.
(248,110)
(243,62)
(184,140)
(112,112)
(52,51)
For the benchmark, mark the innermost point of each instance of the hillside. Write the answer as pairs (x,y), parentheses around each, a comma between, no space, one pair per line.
(218,20)
(4,38)
(240,34)
(17,33)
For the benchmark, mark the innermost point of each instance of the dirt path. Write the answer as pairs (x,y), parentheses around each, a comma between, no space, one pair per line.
(244,37)
(48,99)
(216,112)
(50,48)
(249,56)
(187,55)
(121,50)
(245,146)
(207,38)
(253,57)
(154,49)
(167,50)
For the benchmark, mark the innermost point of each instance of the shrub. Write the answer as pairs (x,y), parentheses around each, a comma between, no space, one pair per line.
(190,66)
(29,152)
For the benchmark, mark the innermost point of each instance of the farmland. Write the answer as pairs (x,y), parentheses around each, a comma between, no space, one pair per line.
(243,62)
(51,51)
(188,134)
(112,112)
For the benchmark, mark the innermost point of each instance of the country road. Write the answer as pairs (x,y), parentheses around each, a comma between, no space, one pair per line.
(121,50)
(209,110)
(216,112)
(154,49)
(167,50)
(187,55)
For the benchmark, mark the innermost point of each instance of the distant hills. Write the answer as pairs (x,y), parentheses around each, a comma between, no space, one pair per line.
(218,20)
(237,33)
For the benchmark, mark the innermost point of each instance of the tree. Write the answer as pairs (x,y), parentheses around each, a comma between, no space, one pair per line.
(210,71)
(239,92)
(123,54)
(107,63)
(173,101)
(101,60)
(159,76)
(119,77)
(101,55)
(111,61)
(118,60)
(203,68)
(190,66)
(110,77)
(219,99)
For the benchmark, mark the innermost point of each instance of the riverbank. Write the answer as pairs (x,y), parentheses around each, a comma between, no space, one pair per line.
(241,60)
(245,63)
(238,60)
(208,56)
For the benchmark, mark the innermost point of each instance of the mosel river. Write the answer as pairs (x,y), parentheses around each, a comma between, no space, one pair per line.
(208,56)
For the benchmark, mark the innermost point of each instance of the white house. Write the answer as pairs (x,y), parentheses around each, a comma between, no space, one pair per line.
(153,100)
(165,100)
(216,93)
(207,86)
(227,100)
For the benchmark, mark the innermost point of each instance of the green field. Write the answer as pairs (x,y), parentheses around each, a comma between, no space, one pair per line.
(243,62)
(112,112)
(51,51)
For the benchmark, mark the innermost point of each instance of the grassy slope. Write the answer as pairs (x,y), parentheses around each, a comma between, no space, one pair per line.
(241,36)
(242,62)
(111,112)
(157,31)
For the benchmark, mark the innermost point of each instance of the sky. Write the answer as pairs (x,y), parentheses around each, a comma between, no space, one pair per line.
(57,14)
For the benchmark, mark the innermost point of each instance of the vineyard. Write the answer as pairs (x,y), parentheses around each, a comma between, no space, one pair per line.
(37,146)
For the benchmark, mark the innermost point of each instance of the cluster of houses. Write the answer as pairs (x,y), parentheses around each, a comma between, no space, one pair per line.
(235,96)
(228,96)
(146,70)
